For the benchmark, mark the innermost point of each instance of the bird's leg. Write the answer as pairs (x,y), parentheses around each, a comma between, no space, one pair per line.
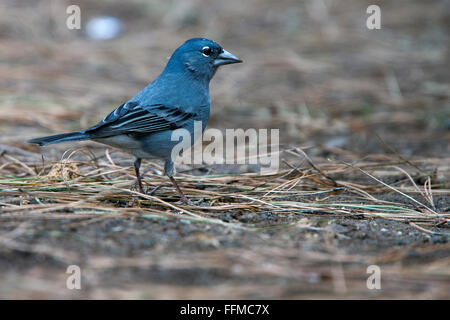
(169,169)
(137,165)
(184,199)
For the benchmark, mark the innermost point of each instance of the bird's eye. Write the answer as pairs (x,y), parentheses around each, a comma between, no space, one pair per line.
(206,51)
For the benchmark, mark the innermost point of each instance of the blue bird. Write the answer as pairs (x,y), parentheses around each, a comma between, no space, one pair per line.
(179,96)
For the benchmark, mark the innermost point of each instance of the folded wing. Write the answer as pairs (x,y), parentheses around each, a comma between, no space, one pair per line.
(132,118)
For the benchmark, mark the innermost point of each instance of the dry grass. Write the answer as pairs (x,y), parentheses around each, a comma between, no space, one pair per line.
(99,187)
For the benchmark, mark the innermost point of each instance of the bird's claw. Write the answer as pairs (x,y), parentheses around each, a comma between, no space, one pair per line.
(149,192)
(185,201)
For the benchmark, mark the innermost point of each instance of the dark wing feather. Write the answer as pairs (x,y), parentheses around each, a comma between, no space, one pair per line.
(132,118)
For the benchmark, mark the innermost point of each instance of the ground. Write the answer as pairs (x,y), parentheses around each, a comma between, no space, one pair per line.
(364,163)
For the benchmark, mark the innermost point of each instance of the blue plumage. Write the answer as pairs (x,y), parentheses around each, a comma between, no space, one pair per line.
(175,99)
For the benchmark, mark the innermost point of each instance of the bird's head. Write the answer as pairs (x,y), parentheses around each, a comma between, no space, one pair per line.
(200,57)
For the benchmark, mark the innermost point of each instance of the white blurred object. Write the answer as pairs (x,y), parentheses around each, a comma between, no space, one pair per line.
(103,28)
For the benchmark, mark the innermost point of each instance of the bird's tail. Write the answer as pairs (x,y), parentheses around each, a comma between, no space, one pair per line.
(71,136)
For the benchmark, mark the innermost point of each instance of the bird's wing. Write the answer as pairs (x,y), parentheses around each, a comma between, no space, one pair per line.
(132,118)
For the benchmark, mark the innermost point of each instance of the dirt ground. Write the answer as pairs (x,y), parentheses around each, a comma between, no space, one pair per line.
(370,108)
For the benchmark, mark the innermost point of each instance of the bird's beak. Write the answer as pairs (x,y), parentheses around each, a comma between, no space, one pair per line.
(226,58)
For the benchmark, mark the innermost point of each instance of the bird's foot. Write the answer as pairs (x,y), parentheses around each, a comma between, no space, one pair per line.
(185,200)
(151,192)
(148,191)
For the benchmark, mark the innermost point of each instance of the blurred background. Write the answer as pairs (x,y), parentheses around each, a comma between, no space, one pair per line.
(311,68)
